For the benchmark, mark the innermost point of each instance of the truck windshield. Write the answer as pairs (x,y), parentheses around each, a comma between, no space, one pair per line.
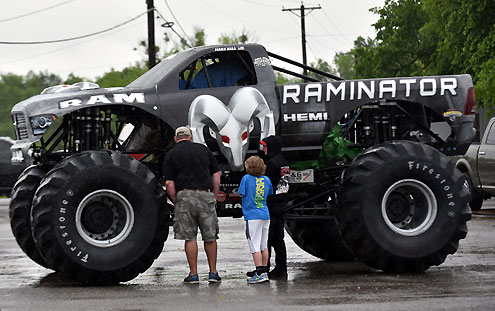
(218,69)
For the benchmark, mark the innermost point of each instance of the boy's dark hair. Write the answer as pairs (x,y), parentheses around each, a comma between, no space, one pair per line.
(255,166)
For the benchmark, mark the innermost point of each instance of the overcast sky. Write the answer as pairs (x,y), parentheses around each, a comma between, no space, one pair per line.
(330,29)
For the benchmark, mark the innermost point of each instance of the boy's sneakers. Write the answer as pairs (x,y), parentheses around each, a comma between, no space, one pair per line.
(192,279)
(258,278)
(214,277)
(251,273)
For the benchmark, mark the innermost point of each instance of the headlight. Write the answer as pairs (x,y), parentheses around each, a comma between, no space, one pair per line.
(39,124)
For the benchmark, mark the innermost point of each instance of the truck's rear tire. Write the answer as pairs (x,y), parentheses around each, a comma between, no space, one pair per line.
(404,207)
(319,238)
(100,217)
(20,211)
(476,197)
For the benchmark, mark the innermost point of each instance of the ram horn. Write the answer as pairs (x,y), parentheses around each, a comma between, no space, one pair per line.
(248,103)
(206,110)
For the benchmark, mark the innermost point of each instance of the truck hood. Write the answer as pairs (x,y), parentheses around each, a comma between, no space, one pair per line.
(45,108)
(59,104)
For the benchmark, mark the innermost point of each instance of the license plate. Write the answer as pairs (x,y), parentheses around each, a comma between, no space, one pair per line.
(306,176)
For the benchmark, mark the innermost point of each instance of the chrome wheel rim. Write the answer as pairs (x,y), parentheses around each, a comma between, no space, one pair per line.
(104,218)
(409,207)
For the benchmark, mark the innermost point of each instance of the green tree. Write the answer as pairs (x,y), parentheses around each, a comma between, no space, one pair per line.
(282,78)
(319,64)
(485,87)
(364,53)
(199,37)
(123,77)
(399,46)
(344,63)
(234,37)
(432,37)
(142,49)
(324,66)
(466,41)
(72,78)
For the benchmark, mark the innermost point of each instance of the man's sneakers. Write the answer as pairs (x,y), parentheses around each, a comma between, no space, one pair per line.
(192,279)
(214,278)
(258,278)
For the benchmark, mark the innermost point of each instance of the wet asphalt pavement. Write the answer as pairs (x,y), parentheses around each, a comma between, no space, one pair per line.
(466,281)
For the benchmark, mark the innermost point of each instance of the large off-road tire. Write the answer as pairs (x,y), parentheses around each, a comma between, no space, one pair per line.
(100,217)
(20,211)
(476,197)
(404,207)
(321,239)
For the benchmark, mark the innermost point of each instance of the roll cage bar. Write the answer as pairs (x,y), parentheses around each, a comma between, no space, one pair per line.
(298,75)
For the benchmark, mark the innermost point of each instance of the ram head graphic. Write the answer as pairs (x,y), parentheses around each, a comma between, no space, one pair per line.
(231,123)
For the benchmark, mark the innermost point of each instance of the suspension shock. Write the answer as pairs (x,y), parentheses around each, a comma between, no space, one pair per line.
(97,128)
(385,121)
(107,119)
(78,130)
(370,128)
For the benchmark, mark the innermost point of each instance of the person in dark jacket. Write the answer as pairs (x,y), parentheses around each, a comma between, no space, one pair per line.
(277,169)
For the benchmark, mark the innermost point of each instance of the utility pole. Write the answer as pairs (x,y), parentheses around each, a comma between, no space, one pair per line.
(302,10)
(151,34)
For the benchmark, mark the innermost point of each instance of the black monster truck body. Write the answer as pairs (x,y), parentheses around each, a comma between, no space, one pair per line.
(91,211)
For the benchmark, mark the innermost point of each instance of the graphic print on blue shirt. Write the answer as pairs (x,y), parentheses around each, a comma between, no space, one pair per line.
(260,192)
(254,192)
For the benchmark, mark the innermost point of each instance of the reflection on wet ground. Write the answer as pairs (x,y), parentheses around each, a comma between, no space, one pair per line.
(311,282)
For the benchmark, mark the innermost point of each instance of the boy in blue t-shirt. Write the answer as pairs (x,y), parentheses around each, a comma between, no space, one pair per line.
(254,189)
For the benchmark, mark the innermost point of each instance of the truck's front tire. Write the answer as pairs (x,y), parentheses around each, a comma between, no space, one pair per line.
(20,211)
(403,207)
(100,218)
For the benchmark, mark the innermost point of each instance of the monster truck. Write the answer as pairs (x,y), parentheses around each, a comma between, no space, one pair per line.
(92,206)
(478,165)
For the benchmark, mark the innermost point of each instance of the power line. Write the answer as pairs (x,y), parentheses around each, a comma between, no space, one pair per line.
(314,54)
(173,15)
(79,37)
(302,13)
(278,39)
(170,25)
(331,49)
(237,19)
(63,48)
(34,12)
(329,34)
(335,26)
(263,4)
